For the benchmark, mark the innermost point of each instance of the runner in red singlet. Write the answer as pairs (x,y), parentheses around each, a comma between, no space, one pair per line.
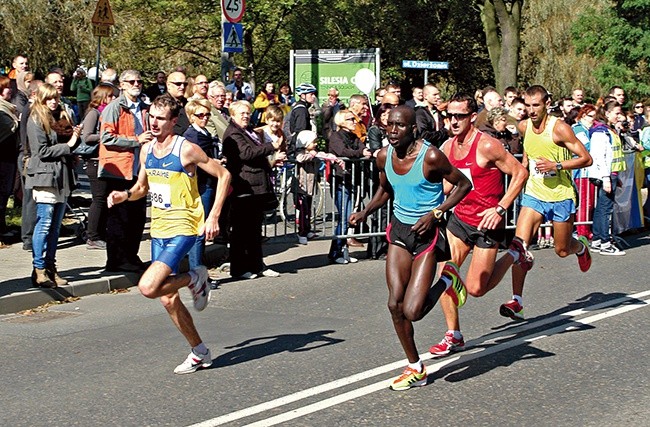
(477,222)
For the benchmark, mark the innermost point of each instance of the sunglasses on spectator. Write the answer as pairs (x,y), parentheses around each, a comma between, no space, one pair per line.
(459,116)
(179,84)
(638,106)
(132,82)
(203,115)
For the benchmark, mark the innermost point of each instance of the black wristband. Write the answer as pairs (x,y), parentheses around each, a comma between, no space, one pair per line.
(128,194)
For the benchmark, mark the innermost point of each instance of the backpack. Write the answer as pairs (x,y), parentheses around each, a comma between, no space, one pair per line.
(286,129)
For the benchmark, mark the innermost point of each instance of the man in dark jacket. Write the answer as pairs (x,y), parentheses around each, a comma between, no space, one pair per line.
(176,84)
(430,123)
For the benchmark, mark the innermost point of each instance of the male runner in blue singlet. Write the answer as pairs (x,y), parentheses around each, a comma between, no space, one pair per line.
(412,171)
(168,166)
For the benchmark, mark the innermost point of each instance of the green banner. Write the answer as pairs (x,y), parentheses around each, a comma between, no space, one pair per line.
(326,68)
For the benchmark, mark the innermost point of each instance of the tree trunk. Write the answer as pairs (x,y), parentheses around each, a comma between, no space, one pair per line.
(250,57)
(502,27)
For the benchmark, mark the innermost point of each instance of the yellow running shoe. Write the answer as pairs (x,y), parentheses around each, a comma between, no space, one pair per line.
(410,378)
(457,290)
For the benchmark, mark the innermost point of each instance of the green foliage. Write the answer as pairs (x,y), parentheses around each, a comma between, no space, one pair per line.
(618,38)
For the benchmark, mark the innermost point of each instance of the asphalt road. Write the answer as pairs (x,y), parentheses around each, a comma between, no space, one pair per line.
(316,347)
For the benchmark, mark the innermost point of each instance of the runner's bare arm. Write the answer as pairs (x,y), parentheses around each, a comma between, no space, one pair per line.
(446,185)
(563,136)
(493,151)
(139,189)
(438,166)
(197,156)
(381,196)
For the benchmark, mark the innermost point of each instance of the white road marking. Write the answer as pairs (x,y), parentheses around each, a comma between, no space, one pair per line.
(465,356)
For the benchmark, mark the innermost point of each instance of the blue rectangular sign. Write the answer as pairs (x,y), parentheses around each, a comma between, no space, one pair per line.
(425,65)
(233,37)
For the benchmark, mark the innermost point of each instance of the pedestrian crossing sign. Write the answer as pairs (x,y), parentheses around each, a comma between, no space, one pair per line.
(103,14)
(233,37)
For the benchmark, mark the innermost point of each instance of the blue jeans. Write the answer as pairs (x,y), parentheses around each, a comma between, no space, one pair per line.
(46,233)
(603,214)
(196,253)
(343,201)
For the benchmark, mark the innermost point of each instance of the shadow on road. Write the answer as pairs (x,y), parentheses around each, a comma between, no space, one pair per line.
(257,348)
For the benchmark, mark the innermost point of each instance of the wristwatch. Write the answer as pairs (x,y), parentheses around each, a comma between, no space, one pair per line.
(128,194)
(437,213)
(558,166)
(500,210)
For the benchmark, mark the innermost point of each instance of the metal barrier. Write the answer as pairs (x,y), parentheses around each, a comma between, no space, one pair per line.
(362,184)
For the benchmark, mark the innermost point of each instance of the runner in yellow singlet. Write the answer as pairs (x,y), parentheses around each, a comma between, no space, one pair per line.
(168,166)
(551,151)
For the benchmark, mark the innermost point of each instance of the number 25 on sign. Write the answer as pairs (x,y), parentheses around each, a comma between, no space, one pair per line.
(233,10)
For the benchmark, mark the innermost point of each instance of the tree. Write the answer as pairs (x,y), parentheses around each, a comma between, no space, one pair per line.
(502,25)
(618,38)
(37,29)
(548,56)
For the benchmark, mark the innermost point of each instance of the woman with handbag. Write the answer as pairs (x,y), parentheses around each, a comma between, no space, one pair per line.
(50,176)
(252,194)
(89,151)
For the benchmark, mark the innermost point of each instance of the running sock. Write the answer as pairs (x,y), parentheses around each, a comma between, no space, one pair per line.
(418,366)
(582,251)
(193,277)
(447,281)
(200,349)
(457,334)
(519,299)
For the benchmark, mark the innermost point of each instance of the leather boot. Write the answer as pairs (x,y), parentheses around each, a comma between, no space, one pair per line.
(40,279)
(54,276)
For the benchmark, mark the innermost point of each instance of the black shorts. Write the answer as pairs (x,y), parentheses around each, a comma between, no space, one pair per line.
(472,236)
(400,234)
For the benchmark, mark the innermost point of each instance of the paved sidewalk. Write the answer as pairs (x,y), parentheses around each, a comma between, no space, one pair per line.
(83,268)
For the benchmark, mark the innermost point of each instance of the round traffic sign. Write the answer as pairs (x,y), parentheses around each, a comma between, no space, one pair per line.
(233,10)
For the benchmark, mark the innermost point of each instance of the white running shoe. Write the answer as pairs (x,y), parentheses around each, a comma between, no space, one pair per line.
(353,260)
(270,273)
(200,289)
(194,362)
(248,275)
(302,240)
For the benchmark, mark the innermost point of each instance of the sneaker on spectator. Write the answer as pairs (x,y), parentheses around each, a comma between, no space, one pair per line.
(95,244)
(248,275)
(596,244)
(512,309)
(610,249)
(302,240)
(311,235)
(194,362)
(526,259)
(447,345)
(270,273)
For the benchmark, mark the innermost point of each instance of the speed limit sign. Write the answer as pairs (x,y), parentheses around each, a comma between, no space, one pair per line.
(233,10)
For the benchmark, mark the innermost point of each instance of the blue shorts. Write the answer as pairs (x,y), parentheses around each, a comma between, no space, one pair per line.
(551,211)
(172,250)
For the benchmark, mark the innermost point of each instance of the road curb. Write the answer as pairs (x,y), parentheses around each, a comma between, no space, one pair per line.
(35,297)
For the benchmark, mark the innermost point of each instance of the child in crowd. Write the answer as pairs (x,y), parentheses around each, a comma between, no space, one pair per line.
(308,165)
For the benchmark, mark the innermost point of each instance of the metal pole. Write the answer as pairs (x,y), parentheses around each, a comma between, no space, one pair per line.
(426,77)
(99,44)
